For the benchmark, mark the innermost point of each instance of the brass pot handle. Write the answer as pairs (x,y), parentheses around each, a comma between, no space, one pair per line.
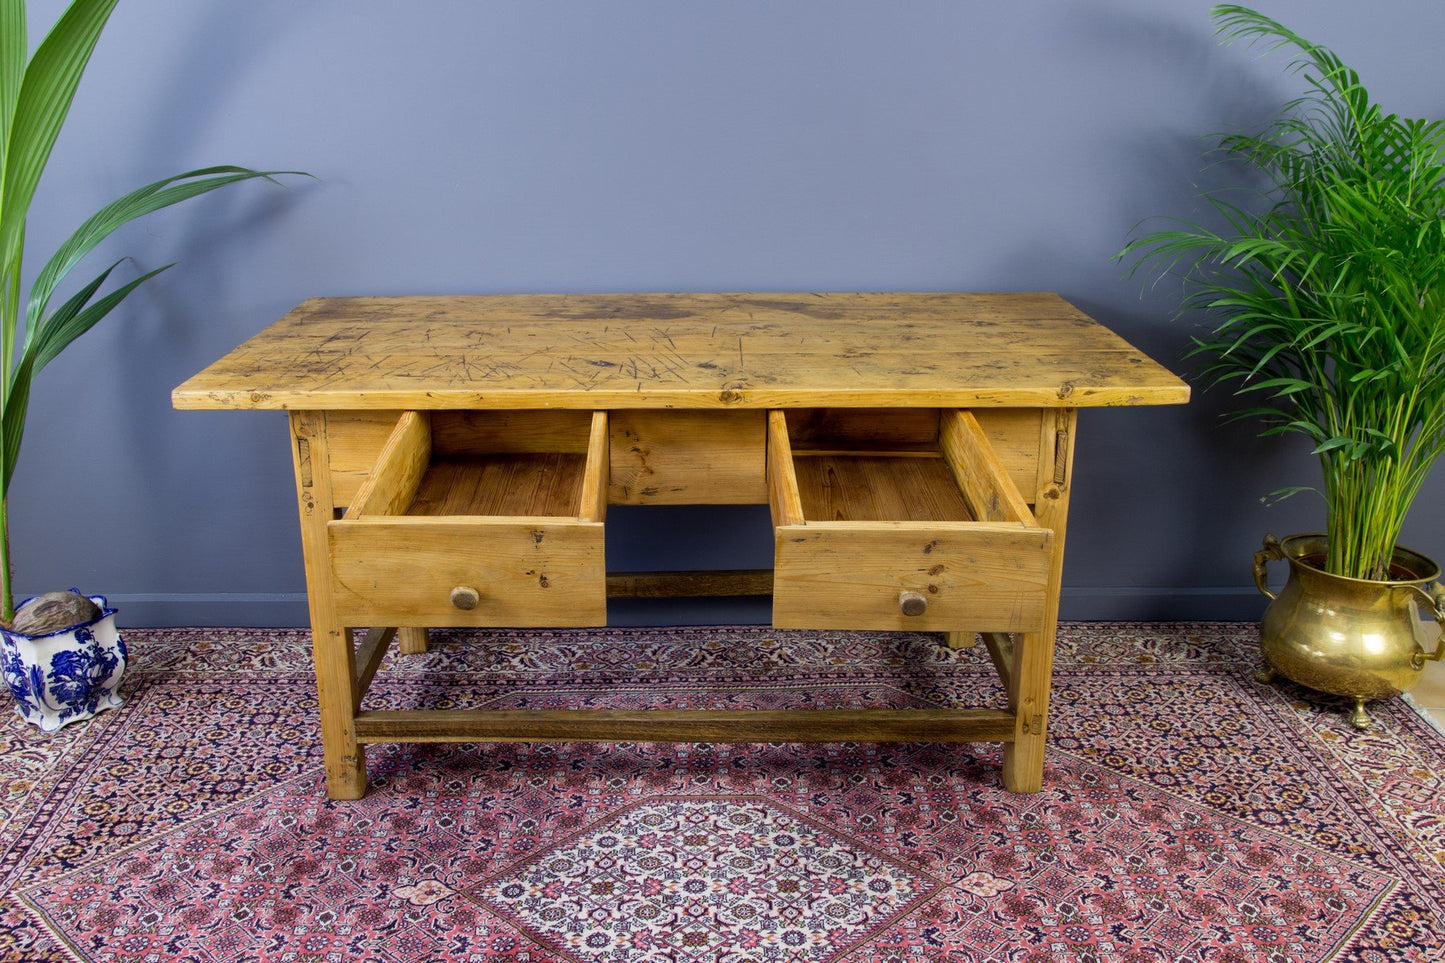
(1270,553)
(1434,607)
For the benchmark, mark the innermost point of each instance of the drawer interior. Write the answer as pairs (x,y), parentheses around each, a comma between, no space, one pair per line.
(874,488)
(509,464)
(919,465)
(515,484)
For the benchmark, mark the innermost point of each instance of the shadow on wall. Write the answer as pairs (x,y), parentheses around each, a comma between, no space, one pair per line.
(210,70)
(1204,482)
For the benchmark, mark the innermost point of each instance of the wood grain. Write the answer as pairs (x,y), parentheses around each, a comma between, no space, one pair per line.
(369,654)
(1032,671)
(848,575)
(403,461)
(981,475)
(511,432)
(1001,652)
(543,408)
(683,351)
(596,474)
(1014,433)
(514,484)
(960,638)
(687,458)
(686,725)
(864,429)
(867,488)
(787,507)
(411,640)
(331,638)
(690,584)
(356,441)
(528,571)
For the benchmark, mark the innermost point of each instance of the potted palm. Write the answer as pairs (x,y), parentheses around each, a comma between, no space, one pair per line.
(1326,302)
(60,654)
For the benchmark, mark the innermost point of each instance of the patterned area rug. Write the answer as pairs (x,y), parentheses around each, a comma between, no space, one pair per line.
(1189,813)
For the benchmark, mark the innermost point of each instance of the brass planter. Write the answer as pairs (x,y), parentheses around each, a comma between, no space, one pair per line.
(1351,637)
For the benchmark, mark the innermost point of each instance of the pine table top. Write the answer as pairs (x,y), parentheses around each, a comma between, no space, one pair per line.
(683,351)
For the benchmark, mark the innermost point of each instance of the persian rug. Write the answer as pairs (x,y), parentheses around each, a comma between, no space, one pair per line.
(1189,813)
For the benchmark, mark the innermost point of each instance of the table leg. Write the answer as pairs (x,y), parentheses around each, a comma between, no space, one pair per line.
(1023,759)
(961,639)
(344,757)
(1033,652)
(331,642)
(411,641)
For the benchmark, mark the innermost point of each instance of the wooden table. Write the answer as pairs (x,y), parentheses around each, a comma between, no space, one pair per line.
(455,458)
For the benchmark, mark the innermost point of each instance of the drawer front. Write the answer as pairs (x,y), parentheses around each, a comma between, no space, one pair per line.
(929,577)
(874,531)
(423,571)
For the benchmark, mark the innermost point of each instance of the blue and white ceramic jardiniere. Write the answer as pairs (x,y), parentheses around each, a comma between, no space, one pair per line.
(68,675)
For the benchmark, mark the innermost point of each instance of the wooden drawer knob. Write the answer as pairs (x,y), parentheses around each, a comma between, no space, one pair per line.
(912,603)
(465,597)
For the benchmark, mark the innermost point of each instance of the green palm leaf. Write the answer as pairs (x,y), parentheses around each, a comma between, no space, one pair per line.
(1327,296)
(35,98)
(12,67)
(73,319)
(41,106)
(139,202)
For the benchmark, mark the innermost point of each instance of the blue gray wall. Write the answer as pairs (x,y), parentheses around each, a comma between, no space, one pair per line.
(475,146)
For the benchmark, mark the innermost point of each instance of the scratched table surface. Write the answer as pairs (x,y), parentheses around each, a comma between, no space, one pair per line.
(683,351)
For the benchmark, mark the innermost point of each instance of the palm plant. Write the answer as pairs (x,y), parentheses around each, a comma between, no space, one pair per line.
(1328,299)
(35,97)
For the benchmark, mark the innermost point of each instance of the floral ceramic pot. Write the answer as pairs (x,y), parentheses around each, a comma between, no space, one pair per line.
(67,675)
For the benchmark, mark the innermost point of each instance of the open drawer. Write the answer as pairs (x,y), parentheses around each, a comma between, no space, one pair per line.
(872,535)
(478,519)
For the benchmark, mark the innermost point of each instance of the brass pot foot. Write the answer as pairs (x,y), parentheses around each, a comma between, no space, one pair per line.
(1266,675)
(1359,718)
